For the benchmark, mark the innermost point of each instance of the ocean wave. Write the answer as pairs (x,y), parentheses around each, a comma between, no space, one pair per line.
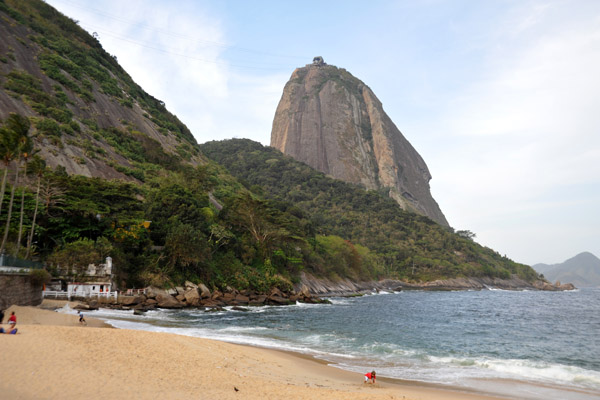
(529,370)
(244,329)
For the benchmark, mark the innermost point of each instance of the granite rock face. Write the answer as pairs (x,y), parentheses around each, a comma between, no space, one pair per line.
(333,122)
(80,142)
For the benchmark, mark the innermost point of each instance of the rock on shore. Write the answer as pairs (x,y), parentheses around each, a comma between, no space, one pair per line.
(309,290)
(325,287)
(193,295)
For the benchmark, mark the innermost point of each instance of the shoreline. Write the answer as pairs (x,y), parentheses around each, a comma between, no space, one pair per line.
(69,361)
(295,373)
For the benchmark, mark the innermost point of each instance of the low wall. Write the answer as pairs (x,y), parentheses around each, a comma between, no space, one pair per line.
(17,289)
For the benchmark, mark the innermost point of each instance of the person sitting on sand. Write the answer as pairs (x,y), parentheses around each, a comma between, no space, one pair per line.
(12,321)
(370,375)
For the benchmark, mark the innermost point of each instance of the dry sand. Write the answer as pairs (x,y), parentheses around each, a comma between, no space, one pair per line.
(53,357)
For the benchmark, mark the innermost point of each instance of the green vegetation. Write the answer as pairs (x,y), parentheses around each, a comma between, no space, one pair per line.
(403,244)
(77,69)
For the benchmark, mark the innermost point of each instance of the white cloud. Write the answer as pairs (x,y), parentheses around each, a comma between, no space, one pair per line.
(526,127)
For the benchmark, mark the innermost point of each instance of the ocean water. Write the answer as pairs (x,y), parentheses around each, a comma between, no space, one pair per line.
(519,344)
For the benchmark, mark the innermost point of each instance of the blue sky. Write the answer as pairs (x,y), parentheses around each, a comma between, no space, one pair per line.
(501,98)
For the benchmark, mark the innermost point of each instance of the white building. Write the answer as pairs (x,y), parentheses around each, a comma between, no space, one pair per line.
(87,289)
(96,282)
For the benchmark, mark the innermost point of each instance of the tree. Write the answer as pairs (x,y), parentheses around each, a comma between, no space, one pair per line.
(76,256)
(38,167)
(265,224)
(26,153)
(8,149)
(186,246)
(19,126)
(466,234)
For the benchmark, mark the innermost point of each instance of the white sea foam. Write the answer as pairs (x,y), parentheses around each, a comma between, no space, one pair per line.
(66,309)
(244,329)
(340,300)
(529,370)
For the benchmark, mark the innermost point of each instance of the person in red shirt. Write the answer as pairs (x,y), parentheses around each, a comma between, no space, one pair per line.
(12,321)
(370,375)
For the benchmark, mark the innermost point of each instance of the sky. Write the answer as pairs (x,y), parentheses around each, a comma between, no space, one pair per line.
(500,98)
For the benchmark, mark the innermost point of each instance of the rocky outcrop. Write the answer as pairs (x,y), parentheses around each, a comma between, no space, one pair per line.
(326,287)
(333,122)
(308,290)
(199,296)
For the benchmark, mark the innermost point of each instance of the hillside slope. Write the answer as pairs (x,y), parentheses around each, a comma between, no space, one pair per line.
(410,246)
(87,114)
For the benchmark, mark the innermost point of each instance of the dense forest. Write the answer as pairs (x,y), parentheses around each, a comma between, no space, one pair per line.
(403,244)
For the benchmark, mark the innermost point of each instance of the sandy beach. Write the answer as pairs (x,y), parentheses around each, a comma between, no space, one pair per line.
(53,357)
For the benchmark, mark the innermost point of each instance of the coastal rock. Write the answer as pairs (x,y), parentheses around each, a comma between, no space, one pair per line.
(93,304)
(325,287)
(152,291)
(567,286)
(333,122)
(192,297)
(165,300)
(129,300)
(190,285)
(241,299)
(258,301)
(211,303)
(278,300)
(204,292)
(304,291)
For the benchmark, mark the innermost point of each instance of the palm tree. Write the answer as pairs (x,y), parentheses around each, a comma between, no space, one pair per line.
(38,166)
(19,125)
(26,152)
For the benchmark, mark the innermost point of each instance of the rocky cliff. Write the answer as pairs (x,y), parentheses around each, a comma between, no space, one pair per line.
(333,122)
(86,112)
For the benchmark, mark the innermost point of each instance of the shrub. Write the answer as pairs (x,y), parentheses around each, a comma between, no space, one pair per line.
(39,277)
(48,126)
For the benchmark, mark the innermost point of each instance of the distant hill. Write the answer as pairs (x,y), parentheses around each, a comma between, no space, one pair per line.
(583,270)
